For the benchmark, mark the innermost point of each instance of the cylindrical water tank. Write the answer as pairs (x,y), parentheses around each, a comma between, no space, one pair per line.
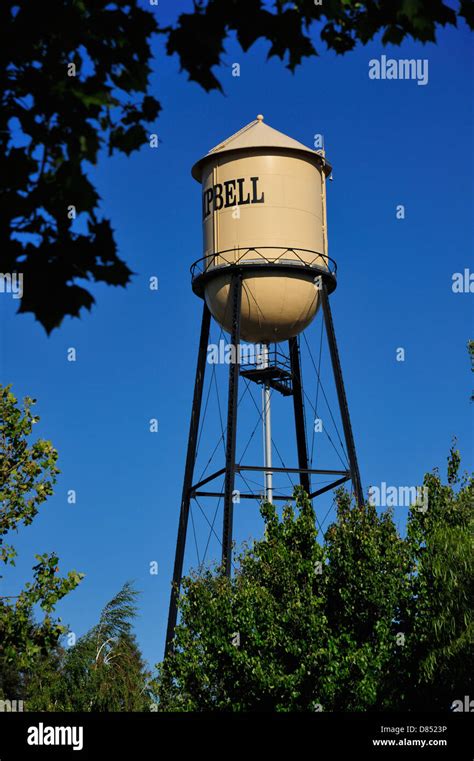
(263,209)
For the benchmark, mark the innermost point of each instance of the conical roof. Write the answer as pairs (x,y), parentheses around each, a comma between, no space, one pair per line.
(256,134)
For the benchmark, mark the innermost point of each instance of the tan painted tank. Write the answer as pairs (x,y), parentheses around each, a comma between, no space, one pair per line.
(263,204)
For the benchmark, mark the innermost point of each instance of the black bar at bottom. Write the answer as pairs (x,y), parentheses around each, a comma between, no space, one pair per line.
(379,735)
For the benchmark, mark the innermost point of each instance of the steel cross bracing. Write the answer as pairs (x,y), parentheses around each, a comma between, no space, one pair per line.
(286,379)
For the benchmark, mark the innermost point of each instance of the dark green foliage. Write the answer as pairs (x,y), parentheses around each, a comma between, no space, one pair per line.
(199,37)
(103,671)
(51,126)
(437,614)
(368,620)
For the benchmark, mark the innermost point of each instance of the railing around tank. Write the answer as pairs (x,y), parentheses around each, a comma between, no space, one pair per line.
(238,256)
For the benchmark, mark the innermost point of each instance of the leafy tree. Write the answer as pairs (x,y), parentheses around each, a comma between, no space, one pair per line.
(239,645)
(368,566)
(199,37)
(75,80)
(366,620)
(437,615)
(28,473)
(103,671)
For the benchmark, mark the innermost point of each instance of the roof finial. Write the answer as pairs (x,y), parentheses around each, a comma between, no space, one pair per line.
(260,117)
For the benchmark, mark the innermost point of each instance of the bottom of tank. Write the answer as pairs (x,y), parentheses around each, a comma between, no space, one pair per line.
(274,308)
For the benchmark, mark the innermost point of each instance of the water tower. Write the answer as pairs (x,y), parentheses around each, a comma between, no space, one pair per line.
(264,273)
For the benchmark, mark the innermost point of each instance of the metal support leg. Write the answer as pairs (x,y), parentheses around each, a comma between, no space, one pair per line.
(267,431)
(294,350)
(188,477)
(234,369)
(341,395)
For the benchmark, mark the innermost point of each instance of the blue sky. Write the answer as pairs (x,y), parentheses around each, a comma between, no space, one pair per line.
(391,143)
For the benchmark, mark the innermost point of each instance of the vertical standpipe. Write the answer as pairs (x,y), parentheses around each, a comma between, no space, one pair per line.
(267,430)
